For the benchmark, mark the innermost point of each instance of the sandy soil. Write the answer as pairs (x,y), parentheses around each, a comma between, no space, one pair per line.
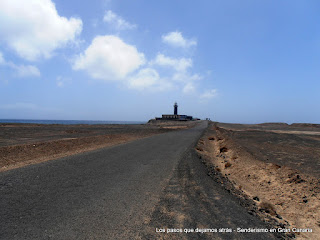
(23,144)
(274,165)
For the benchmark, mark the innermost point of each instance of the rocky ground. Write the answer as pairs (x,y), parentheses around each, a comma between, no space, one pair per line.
(23,144)
(272,168)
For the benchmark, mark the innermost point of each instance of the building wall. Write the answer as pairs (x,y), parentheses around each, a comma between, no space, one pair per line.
(170,116)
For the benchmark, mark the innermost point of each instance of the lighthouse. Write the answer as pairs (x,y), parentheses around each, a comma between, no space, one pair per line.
(175,116)
(175,108)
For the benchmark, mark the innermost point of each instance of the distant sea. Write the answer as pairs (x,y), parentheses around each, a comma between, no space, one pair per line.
(68,122)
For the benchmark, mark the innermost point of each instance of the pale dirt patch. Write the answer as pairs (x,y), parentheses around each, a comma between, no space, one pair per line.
(280,192)
(296,132)
(175,127)
(172,124)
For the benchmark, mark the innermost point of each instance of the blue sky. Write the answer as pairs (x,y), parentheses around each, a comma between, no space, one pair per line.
(231,61)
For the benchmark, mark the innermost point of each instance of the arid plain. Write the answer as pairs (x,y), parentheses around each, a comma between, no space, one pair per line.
(24,144)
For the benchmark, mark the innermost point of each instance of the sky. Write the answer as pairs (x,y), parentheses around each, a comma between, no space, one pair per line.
(234,61)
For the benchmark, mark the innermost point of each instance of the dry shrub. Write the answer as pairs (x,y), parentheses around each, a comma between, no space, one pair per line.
(218,169)
(211,138)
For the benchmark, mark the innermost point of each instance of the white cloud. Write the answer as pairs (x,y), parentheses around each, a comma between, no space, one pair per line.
(62,81)
(186,77)
(189,88)
(181,64)
(149,79)
(34,29)
(145,78)
(181,76)
(208,94)
(176,39)
(109,58)
(26,70)
(20,70)
(117,22)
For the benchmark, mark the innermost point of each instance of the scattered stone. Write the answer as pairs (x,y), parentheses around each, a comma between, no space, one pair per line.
(251,212)
(199,149)
(223,149)
(305,200)
(295,179)
(227,165)
(256,198)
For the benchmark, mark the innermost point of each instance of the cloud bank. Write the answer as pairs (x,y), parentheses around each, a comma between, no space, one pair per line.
(111,59)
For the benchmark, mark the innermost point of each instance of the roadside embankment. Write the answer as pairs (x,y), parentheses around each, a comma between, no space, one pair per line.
(272,187)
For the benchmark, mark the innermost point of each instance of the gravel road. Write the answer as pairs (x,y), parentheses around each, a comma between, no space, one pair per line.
(120,192)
